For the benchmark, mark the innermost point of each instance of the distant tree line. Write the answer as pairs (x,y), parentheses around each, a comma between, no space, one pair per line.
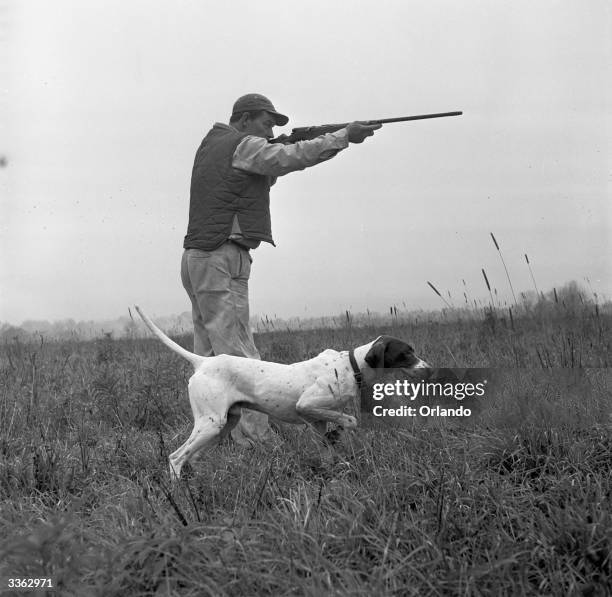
(570,296)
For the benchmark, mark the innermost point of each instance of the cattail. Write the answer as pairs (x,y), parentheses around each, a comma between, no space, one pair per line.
(532,277)
(556,297)
(488,286)
(504,264)
(486,280)
(496,245)
(436,291)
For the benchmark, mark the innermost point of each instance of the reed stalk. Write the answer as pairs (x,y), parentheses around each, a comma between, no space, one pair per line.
(436,291)
(504,264)
(532,276)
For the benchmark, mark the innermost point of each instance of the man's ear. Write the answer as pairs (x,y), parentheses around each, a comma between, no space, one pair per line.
(242,122)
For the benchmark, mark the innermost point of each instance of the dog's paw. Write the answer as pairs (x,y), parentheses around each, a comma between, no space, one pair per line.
(333,435)
(349,422)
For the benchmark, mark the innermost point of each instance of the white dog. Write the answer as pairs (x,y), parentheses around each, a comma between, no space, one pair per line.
(310,391)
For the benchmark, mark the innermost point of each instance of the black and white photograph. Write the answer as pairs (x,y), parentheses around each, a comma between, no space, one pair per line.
(306,298)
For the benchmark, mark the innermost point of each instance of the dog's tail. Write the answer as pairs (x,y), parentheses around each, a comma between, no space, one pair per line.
(193,358)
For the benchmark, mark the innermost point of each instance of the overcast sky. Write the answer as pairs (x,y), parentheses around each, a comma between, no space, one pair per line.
(105,103)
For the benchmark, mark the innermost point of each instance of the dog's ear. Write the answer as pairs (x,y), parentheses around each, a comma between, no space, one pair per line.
(376,355)
(390,353)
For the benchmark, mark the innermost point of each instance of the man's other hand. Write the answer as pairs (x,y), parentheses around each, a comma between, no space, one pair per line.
(357,132)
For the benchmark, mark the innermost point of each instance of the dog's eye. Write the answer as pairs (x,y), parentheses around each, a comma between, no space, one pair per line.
(410,358)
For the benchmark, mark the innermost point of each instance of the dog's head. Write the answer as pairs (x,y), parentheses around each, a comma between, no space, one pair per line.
(387,352)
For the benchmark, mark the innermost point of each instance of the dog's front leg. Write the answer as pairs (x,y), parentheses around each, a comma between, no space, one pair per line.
(320,427)
(319,404)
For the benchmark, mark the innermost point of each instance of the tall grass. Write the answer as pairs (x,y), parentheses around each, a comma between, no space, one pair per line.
(515,503)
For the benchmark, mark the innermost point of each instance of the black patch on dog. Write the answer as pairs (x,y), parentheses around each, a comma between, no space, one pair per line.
(391,353)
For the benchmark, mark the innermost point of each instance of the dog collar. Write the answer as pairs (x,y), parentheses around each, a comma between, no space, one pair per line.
(356,372)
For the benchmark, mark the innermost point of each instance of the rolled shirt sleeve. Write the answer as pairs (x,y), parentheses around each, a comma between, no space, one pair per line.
(257,155)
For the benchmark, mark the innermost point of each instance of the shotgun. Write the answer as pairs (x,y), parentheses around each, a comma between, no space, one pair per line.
(306,133)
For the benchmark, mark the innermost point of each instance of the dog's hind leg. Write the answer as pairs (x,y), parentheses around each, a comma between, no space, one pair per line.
(206,433)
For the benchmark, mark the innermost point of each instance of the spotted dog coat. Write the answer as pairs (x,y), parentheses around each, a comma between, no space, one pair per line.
(312,391)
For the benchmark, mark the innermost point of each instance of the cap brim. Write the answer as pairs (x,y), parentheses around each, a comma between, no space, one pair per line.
(281,119)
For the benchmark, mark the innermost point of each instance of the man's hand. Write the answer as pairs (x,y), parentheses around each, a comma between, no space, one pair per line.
(357,132)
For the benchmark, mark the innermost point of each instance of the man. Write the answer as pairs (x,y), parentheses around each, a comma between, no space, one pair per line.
(229,215)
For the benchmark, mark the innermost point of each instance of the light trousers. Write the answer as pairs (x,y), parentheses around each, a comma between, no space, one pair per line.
(217,283)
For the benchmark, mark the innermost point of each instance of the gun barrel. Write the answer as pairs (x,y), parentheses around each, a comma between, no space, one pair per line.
(418,117)
(383,120)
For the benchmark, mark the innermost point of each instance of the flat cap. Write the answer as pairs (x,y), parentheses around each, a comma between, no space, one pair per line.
(256,101)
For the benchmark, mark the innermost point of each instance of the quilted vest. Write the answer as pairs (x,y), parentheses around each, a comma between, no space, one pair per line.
(219,191)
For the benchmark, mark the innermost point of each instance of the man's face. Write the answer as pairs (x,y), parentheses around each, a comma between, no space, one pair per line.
(261,126)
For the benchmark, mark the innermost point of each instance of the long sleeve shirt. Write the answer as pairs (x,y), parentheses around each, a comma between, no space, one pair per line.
(259,156)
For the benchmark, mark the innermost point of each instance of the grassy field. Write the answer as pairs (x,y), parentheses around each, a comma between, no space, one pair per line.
(518,502)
